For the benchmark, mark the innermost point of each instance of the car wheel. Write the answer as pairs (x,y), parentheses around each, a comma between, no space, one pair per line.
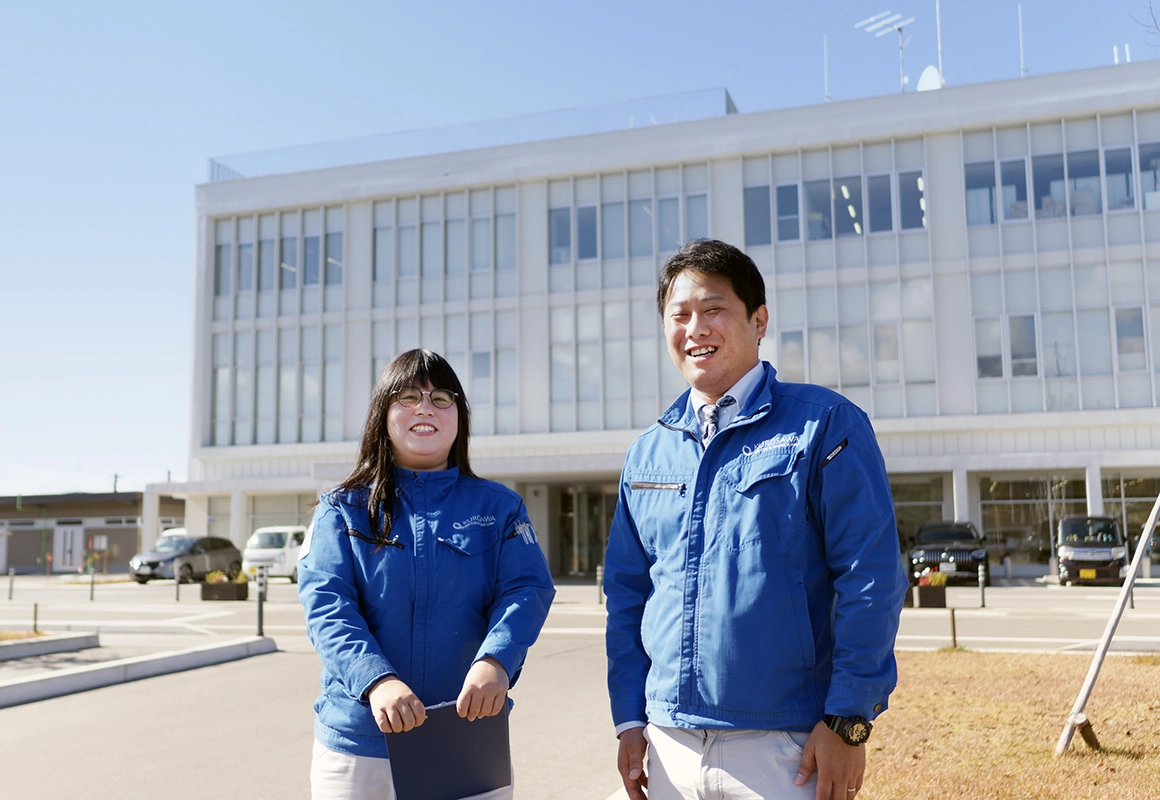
(141,580)
(294,576)
(234,569)
(185,574)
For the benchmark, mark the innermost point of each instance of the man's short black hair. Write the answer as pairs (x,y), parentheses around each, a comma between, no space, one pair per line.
(714,258)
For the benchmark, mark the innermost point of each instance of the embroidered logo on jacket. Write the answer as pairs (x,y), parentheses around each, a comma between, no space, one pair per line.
(525,531)
(779,442)
(478,521)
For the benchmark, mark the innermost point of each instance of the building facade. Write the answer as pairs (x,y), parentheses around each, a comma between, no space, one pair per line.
(57,533)
(977,267)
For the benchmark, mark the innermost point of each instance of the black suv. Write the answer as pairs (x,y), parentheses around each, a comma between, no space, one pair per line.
(1090,550)
(953,548)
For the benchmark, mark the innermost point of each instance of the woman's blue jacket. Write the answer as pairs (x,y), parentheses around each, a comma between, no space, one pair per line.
(463,578)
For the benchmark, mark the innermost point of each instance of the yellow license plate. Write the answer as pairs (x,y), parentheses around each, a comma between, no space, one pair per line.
(1087,574)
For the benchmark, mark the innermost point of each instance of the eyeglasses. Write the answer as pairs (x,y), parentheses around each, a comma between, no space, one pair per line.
(411,397)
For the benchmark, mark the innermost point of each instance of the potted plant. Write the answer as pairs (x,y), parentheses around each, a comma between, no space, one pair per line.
(218,586)
(931,591)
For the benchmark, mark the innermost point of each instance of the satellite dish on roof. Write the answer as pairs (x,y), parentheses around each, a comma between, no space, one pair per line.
(929,79)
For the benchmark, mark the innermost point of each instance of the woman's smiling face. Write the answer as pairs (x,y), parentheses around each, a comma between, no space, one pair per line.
(421,437)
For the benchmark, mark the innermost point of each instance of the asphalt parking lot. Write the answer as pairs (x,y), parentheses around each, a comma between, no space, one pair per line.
(245,726)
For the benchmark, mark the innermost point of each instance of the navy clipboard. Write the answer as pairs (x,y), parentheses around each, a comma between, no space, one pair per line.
(449,758)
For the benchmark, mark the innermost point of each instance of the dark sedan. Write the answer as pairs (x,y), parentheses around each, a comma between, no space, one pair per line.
(187,557)
(953,548)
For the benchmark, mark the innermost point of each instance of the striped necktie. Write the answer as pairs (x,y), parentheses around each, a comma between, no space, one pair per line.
(712,414)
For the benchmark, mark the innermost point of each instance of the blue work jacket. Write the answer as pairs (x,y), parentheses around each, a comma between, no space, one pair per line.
(756,582)
(463,578)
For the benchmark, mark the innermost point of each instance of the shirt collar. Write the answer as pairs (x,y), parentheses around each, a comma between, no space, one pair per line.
(739,391)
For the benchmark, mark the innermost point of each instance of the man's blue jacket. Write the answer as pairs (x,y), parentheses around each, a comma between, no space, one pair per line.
(756,582)
(464,578)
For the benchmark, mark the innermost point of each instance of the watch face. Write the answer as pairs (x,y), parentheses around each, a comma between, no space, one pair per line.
(857,732)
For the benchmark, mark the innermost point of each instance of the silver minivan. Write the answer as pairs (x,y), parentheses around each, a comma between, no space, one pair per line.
(275,547)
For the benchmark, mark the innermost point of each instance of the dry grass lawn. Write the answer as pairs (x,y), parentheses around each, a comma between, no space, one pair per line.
(985,725)
(8,636)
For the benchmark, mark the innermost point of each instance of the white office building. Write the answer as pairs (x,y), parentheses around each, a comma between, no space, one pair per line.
(977,267)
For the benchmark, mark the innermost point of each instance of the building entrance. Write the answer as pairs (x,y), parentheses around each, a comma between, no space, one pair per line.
(585,515)
(68,547)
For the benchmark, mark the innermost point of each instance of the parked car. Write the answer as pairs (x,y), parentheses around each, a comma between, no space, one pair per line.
(1091,550)
(187,557)
(953,548)
(276,548)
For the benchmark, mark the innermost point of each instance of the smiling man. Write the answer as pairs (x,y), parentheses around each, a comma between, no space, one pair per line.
(753,577)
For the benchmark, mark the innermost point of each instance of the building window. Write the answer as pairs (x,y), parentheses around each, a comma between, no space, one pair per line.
(560,235)
(265,384)
(310,420)
(287,385)
(988,348)
(243,389)
(980,183)
(221,269)
(333,259)
(384,246)
(1047,181)
(586,233)
(819,222)
(640,242)
(668,224)
(792,363)
(1118,179)
(1130,339)
(880,211)
(788,224)
(332,384)
(757,216)
(1013,184)
(1023,347)
(267,258)
(220,400)
(911,200)
(886,365)
(311,248)
(1083,182)
(1150,176)
(848,206)
(288,263)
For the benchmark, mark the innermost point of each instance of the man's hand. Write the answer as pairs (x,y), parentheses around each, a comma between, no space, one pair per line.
(395,706)
(630,762)
(484,690)
(840,767)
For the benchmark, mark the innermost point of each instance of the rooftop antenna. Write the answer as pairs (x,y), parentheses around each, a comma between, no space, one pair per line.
(884,23)
(1022,67)
(938,29)
(826,67)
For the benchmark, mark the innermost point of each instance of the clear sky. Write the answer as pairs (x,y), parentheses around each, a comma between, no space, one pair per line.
(109,111)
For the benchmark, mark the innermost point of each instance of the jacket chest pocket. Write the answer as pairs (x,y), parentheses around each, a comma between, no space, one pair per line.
(762,501)
(659,506)
(465,567)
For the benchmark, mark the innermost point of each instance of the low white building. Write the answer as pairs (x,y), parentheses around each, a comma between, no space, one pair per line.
(978,267)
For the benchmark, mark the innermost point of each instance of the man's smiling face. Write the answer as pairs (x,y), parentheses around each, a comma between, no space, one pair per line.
(711,338)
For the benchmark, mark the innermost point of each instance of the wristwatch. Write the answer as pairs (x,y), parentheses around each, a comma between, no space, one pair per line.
(853,730)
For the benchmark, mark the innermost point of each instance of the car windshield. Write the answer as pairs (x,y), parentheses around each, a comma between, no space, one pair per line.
(173,544)
(267,540)
(1089,532)
(945,535)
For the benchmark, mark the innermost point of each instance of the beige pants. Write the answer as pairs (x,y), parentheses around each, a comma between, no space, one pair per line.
(338,776)
(686,764)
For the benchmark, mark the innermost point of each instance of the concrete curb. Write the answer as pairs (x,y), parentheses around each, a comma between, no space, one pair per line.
(81,679)
(42,646)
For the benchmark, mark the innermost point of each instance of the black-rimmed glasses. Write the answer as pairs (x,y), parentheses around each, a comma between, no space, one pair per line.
(410,397)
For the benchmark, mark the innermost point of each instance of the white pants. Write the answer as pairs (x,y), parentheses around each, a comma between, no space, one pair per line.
(690,764)
(338,776)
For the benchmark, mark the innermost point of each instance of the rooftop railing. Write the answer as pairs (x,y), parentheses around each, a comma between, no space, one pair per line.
(474,135)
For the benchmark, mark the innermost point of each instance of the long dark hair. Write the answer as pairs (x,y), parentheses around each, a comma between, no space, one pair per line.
(376,461)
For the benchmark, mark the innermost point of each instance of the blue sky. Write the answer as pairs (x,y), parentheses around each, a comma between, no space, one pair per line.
(111,110)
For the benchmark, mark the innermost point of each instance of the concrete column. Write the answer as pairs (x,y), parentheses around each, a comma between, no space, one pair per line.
(536,499)
(196,514)
(238,518)
(1095,491)
(150,517)
(4,552)
(961,494)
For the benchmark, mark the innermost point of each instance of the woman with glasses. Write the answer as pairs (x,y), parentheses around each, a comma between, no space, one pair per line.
(421,582)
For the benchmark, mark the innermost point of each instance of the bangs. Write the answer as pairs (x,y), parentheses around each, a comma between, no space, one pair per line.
(420,368)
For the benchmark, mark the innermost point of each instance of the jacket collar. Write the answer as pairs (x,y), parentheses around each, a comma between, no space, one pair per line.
(682,416)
